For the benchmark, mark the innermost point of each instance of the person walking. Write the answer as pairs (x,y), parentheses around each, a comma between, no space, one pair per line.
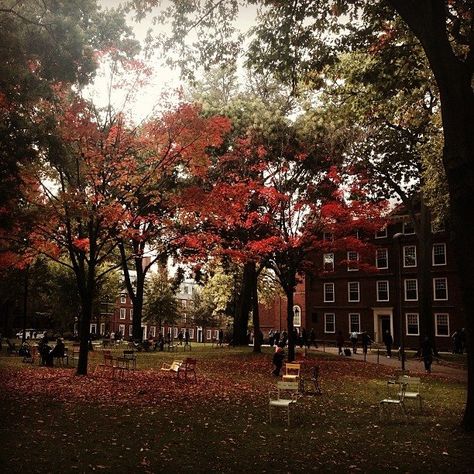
(339,342)
(366,342)
(427,354)
(354,337)
(388,341)
(278,357)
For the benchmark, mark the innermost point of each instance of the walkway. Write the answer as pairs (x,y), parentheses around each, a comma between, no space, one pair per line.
(414,365)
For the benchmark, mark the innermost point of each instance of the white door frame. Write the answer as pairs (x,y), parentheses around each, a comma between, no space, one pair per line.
(380,311)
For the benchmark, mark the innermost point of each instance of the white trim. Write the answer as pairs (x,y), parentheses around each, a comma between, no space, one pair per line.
(417,324)
(351,260)
(333,321)
(358,321)
(434,288)
(123,313)
(436,324)
(377,290)
(333,293)
(377,260)
(296,322)
(405,247)
(349,283)
(405,288)
(433,254)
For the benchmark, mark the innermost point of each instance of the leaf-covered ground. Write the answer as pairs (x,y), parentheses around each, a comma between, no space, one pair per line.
(55,421)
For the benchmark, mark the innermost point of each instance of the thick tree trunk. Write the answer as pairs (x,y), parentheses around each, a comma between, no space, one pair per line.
(84,334)
(257,340)
(425,293)
(427,20)
(289,319)
(243,307)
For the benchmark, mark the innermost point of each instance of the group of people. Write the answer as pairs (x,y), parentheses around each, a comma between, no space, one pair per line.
(48,353)
(366,341)
(275,338)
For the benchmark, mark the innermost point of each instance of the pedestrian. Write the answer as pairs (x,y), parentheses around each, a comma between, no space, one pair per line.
(186,337)
(339,342)
(276,338)
(278,357)
(271,337)
(284,338)
(353,338)
(304,337)
(427,354)
(388,341)
(366,342)
(221,337)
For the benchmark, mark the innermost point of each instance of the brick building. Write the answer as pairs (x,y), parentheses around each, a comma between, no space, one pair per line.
(348,299)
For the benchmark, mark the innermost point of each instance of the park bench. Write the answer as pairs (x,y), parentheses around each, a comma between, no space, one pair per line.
(173,367)
(286,396)
(187,367)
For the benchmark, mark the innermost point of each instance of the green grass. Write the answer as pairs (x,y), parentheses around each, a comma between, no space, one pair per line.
(221,423)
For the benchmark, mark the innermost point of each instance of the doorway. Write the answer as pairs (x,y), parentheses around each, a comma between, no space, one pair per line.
(383,321)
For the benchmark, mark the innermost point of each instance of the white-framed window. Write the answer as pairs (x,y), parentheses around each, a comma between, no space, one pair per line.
(381,258)
(329,323)
(175,332)
(353,291)
(408,228)
(382,233)
(191,334)
(102,328)
(131,314)
(413,324)
(442,324)
(329,294)
(411,289)
(328,262)
(123,298)
(152,331)
(409,256)
(122,329)
(352,261)
(216,333)
(208,334)
(354,322)
(440,289)
(328,236)
(93,328)
(383,293)
(439,254)
(130,330)
(296,316)
(123,313)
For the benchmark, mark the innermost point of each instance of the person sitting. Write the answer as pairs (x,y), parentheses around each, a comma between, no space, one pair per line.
(58,351)
(278,357)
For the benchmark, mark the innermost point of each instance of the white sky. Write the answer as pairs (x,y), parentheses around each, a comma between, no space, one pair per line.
(163,79)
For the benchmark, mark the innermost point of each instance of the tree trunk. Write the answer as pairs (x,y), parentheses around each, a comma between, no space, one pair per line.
(289,319)
(425,257)
(427,20)
(257,340)
(243,307)
(84,333)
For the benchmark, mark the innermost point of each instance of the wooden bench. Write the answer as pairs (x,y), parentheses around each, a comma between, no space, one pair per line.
(187,367)
(173,367)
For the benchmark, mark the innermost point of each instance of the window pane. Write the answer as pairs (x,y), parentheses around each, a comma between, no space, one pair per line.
(412,324)
(409,256)
(382,258)
(439,254)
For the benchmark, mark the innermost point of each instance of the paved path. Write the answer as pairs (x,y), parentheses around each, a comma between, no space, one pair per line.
(414,365)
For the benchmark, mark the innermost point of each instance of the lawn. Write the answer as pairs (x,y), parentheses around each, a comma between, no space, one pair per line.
(54,421)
